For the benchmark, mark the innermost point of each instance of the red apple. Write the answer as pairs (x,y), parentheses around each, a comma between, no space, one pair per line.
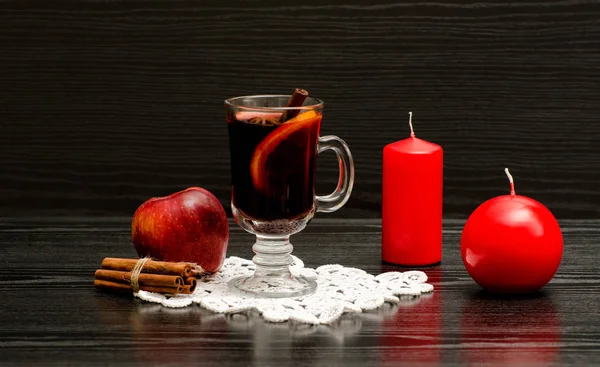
(189,225)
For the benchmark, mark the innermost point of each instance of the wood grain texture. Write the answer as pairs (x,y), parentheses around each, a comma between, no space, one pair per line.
(51,315)
(106,103)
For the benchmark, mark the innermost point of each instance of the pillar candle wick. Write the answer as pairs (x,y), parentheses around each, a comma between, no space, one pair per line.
(511,181)
(412,131)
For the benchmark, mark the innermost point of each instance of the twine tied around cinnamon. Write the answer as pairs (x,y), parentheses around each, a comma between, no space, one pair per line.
(135,273)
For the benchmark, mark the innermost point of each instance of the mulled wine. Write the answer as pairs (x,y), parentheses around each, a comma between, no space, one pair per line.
(274,142)
(273,164)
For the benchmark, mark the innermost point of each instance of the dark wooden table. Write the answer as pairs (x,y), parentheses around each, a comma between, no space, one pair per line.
(51,315)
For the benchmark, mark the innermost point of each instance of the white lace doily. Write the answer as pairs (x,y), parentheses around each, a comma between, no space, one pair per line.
(340,290)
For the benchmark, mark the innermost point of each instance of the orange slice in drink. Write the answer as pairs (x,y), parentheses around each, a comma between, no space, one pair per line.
(273,153)
(248,115)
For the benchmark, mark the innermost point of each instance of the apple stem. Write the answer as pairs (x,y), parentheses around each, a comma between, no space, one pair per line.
(412,131)
(512,182)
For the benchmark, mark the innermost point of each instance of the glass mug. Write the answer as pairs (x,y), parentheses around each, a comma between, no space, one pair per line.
(273,168)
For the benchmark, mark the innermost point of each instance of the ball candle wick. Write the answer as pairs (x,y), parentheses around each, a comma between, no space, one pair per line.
(412,131)
(511,181)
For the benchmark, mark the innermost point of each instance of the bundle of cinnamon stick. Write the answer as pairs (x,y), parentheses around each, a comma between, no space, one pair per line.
(155,276)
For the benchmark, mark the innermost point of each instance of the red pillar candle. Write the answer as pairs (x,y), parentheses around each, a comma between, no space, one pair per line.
(412,202)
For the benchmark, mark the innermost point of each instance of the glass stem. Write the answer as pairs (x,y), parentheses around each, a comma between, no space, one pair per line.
(272,256)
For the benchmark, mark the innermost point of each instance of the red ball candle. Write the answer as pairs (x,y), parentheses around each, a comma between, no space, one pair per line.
(412,202)
(511,244)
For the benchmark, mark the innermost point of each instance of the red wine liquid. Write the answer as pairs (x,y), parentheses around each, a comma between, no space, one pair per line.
(272,166)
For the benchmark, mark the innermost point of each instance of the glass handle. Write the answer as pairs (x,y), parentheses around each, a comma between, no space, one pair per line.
(337,199)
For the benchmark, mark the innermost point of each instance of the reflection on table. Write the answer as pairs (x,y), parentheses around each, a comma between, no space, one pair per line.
(414,333)
(497,329)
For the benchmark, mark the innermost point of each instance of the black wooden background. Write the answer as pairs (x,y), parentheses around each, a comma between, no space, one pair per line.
(104,103)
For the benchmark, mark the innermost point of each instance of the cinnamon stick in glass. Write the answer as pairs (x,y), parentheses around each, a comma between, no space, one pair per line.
(150,267)
(296,100)
(156,280)
(112,286)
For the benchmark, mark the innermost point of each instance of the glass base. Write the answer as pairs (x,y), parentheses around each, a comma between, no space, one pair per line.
(273,287)
(272,277)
